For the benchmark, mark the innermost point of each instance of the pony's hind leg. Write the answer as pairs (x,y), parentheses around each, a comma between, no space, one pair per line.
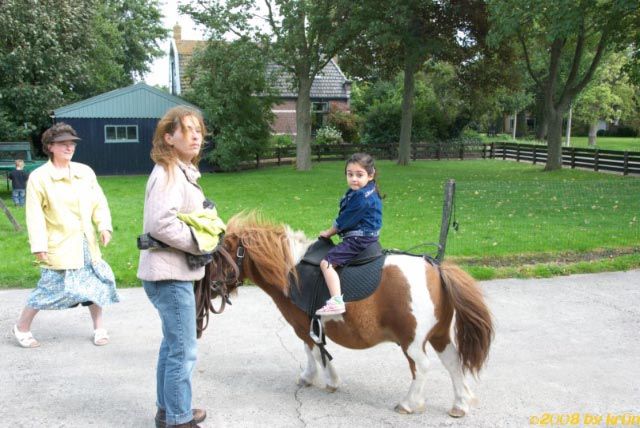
(413,402)
(464,398)
(331,377)
(310,373)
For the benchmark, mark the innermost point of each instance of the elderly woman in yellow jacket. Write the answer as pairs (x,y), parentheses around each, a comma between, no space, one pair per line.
(65,209)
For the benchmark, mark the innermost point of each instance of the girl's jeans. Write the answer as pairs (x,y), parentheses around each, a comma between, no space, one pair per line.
(175,303)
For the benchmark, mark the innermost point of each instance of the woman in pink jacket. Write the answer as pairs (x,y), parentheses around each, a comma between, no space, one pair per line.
(167,278)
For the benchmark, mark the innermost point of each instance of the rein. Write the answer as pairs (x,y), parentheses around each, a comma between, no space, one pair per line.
(215,283)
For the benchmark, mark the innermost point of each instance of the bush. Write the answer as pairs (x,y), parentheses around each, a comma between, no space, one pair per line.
(382,124)
(622,131)
(281,140)
(471,134)
(347,123)
(328,135)
(231,150)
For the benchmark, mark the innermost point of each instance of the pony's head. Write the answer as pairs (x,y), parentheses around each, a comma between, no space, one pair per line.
(271,250)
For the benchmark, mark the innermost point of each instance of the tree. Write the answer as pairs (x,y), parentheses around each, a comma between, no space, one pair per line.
(402,36)
(225,78)
(514,102)
(139,23)
(609,96)
(575,35)
(301,36)
(42,47)
(58,51)
(438,111)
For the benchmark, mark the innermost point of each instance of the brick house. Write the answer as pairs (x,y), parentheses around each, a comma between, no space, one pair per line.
(330,89)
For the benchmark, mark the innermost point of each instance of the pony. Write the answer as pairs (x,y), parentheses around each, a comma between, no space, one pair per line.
(415,303)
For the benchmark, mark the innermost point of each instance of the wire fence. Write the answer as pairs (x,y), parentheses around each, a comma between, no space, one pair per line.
(545,219)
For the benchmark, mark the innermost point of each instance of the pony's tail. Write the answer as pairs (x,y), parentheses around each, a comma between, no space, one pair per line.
(474,327)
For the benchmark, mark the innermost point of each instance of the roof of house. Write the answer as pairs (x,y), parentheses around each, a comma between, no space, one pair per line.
(329,83)
(136,101)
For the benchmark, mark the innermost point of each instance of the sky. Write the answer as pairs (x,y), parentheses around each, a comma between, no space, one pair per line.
(159,70)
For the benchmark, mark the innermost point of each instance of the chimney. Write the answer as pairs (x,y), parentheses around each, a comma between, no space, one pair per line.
(177,32)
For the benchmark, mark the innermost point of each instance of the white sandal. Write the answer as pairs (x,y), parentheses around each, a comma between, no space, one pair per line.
(100,337)
(26,339)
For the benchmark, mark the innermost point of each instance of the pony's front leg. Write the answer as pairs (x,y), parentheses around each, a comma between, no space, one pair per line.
(331,377)
(310,373)
(413,402)
(463,397)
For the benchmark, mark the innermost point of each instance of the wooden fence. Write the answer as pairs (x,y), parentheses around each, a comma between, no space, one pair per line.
(459,149)
(595,159)
(624,162)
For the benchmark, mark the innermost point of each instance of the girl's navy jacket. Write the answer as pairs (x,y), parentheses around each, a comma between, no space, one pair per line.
(360,212)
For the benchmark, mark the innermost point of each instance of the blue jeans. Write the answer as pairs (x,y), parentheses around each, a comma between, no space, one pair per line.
(176,305)
(18,197)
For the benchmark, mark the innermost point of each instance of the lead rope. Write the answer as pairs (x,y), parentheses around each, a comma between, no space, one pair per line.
(202,293)
(204,288)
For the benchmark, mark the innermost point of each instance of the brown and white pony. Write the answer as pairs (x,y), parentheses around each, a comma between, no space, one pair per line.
(414,304)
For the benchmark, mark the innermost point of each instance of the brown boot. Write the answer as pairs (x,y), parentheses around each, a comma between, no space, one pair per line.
(199,415)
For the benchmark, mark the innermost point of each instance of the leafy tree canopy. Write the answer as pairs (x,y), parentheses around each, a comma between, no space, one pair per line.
(53,52)
(229,81)
(574,36)
(301,36)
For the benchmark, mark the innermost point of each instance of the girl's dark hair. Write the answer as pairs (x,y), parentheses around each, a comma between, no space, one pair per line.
(367,163)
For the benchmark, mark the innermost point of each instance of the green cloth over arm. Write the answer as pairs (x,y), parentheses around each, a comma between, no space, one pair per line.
(206,227)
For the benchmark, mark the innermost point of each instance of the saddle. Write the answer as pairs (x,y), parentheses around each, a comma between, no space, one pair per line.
(358,280)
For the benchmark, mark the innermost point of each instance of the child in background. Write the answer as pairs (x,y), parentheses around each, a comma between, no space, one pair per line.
(18,179)
(358,224)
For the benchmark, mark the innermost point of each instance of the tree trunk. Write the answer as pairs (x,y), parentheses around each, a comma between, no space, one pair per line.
(404,146)
(303,125)
(541,122)
(593,133)
(514,125)
(554,140)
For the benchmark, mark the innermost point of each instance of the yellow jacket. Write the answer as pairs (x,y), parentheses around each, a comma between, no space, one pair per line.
(61,210)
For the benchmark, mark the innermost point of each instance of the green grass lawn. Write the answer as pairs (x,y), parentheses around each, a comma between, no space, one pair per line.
(509,215)
(605,143)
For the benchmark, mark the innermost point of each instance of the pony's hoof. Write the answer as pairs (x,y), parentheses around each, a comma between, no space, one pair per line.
(331,388)
(303,382)
(456,412)
(402,410)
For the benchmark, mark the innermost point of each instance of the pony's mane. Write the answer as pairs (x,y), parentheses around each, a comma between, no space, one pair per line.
(266,244)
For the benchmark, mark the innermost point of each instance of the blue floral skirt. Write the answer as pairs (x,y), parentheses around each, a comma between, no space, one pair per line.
(62,289)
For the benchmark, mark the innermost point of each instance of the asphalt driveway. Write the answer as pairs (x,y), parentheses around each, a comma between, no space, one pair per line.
(566,350)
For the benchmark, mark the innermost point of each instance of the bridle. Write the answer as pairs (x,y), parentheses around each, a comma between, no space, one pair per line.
(216,282)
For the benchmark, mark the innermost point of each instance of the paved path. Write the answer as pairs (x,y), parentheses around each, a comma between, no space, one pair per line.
(565,346)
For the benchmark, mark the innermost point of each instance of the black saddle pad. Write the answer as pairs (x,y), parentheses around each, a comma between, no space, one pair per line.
(319,249)
(358,280)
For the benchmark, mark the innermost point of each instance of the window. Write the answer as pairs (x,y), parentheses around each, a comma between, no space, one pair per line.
(319,113)
(121,134)
(319,107)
